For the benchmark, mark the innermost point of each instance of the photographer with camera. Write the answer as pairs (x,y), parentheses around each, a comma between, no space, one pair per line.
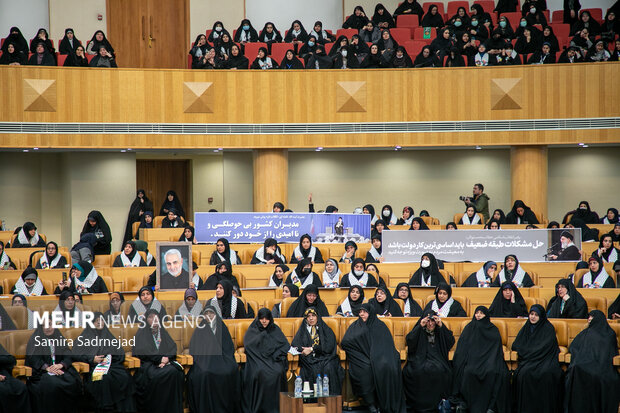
(480,201)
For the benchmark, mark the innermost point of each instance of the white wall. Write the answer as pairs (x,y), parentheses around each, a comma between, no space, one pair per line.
(28,15)
(80,15)
(283,12)
(423,179)
(238,181)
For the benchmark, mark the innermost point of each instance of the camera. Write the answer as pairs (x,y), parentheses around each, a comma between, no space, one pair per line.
(464,198)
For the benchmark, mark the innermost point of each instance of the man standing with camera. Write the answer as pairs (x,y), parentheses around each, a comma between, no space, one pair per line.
(480,201)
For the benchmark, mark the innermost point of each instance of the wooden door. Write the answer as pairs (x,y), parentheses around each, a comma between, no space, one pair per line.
(157,177)
(149,33)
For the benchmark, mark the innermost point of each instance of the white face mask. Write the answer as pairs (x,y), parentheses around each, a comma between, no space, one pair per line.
(218,29)
(386,212)
(358,273)
(425,264)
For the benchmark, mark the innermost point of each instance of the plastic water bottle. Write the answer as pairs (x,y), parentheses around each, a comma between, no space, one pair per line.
(325,386)
(298,385)
(318,387)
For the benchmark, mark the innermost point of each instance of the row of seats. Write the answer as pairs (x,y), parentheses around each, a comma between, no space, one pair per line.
(566,330)
(470,298)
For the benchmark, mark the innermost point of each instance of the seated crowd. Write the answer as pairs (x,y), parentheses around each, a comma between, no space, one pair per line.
(479,37)
(472,373)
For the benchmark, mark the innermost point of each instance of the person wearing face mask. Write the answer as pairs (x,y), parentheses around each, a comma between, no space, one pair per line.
(302,276)
(477,29)
(358,276)
(217,32)
(584,213)
(345,59)
(428,274)
(319,60)
(388,216)
(246,33)
(535,16)
(505,29)
(308,49)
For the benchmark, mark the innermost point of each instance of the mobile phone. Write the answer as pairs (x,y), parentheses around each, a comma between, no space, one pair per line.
(64,276)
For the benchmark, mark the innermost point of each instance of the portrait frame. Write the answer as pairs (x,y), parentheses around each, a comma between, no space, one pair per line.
(185,250)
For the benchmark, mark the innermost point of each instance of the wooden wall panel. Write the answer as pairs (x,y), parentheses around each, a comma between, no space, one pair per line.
(270,178)
(134,95)
(529,177)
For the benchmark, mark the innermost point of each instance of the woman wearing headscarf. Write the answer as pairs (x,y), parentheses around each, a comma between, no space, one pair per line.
(51,258)
(596,277)
(350,248)
(409,7)
(512,271)
(263,61)
(290,61)
(236,60)
(418,224)
(172,202)
(432,18)
(12,56)
(606,250)
(41,57)
(498,214)
(129,257)
(113,314)
(108,386)
(356,20)
(246,32)
(305,249)
(13,393)
(538,366)
(223,271)
(441,45)
(288,290)
(146,221)
(470,217)
(369,209)
(508,302)
(188,235)
(481,377)
(316,345)
(380,225)
(331,274)
(277,278)
(586,22)
(144,302)
(369,33)
(303,276)
(29,284)
(411,307)
(351,305)
(611,217)
(375,253)
(296,34)
(225,303)
(592,380)
(428,274)
(159,380)
(584,213)
(217,31)
(96,224)
(172,220)
(383,304)
(427,375)
(321,36)
(309,298)
(264,374)
(454,59)
(53,376)
(615,232)
(483,277)
(387,47)
(84,278)
(69,43)
(382,18)
(270,34)
(443,304)
(426,58)
(214,368)
(96,42)
(42,37)
(269,253)
(358,276)
(77,59)
(67,308)
(15,38)
(28,237)
(19,300)
(223,252)
(139,206)
(374,363)
(387,213)
(191,307)
(587,234)
(567,302)
(407,216)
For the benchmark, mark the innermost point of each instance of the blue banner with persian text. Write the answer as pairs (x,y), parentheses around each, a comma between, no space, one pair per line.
(255,227)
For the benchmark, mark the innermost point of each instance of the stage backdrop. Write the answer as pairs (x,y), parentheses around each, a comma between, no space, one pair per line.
(240,227)
(529,245)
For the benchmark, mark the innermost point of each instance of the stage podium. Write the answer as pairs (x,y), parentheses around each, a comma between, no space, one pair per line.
(329,404)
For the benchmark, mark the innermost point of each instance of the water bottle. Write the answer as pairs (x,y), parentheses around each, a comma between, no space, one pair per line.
(325,386)
(318,387)
(298,385)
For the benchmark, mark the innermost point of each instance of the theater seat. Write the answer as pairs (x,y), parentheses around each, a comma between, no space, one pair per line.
(117,253)
(19,315)
(346,32)
(464,301)
(286,304)
(102,261)
(596,303)
(501,326)
(561,333)
(457,218)
(453,6)
(61,250)
(241,328)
